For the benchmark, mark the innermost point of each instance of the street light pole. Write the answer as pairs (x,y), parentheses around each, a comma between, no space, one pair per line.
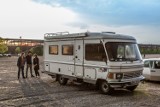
(20,42)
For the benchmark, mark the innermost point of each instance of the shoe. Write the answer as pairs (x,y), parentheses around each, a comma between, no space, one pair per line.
(23,77)
(32,76)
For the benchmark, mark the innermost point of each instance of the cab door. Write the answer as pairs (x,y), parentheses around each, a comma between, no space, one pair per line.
(94,59)
(147,68)
(155,70)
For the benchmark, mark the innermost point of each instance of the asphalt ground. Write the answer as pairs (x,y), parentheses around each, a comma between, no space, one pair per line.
(46,92)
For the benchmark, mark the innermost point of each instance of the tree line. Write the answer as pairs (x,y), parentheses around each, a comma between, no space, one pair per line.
(39,49)
(4,49)
(150,50)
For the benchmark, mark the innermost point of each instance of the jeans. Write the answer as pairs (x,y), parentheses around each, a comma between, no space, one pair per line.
(21,68)
(37,72)
(29,66)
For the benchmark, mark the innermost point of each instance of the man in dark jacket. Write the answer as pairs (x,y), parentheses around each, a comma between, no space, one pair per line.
(29,64)
(20,64)
(36,65)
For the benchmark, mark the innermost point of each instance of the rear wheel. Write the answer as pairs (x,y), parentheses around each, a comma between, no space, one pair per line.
(105,87)
(62,80)
(131,88)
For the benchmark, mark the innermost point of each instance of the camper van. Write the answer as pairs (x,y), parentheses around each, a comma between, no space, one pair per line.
(106,59)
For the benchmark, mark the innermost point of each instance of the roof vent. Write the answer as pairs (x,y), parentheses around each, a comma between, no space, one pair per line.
(110,32)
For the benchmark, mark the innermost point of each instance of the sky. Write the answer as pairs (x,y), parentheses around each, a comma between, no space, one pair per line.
(31,19)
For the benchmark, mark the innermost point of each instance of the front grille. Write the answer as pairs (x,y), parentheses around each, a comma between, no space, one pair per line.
(133,74)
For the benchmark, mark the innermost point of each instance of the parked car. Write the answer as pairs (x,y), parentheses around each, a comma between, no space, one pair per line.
(8,55)
(152,69)
(1,55)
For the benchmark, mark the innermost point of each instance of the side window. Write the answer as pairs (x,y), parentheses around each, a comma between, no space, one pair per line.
(53,49)
(157,64)
(67,49)
(146,64)
(95,52)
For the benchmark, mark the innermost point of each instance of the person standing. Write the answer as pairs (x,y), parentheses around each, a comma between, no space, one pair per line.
(20,65)
(36,65)
(29,64)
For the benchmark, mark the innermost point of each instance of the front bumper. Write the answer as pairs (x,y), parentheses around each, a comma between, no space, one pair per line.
(125,82)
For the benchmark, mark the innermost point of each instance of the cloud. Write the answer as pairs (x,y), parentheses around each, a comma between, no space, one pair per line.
(34,18)
(31,20)
(136,18)
(143,33)
(78,25)
(113,12)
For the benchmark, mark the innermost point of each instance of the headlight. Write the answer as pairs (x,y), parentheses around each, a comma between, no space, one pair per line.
(119,76)
(110,75)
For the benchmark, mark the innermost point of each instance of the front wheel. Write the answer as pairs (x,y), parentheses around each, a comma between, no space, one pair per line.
(105,87)
(131,88)
(62,80)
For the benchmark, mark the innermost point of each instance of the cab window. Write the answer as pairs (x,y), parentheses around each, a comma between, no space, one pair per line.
(151,64)
(146,64)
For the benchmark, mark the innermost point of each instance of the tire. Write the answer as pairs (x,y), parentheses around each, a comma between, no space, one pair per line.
(97,87)
(62,80)
(56,77)
(131,88)
(105,88)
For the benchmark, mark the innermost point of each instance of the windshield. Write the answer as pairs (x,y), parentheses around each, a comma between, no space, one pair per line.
(120,51)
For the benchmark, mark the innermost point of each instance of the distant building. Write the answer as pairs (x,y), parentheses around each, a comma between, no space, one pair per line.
(24,44)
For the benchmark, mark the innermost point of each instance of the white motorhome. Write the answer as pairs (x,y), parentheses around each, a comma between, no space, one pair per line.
(106,59)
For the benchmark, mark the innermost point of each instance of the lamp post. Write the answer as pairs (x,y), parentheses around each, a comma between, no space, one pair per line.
(20,42)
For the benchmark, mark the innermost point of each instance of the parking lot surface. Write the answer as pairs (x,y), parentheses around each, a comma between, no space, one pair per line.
(46,92)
